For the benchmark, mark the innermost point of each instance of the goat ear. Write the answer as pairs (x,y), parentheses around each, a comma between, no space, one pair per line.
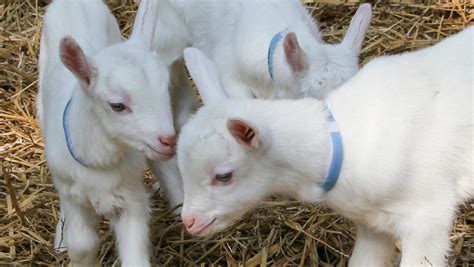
(76,61)
(244,133)
(295,56)
(358,28)
(145,23)
(205,75)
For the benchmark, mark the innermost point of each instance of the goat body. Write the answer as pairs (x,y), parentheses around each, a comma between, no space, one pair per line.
(119,108)
(236,36)
(407,128)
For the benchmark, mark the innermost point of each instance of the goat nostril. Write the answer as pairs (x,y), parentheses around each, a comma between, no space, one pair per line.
(189,223)
(168,140)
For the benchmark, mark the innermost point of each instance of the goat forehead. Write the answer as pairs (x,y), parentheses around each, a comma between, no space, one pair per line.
(130,78)
(131,57)
(206,129)
(317,55)
(209,145)
(127,74)
(203,149)
(332,72)
(135,81)
(341,57)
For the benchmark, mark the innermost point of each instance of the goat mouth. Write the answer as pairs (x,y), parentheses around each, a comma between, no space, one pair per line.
(205,227)
(159,153)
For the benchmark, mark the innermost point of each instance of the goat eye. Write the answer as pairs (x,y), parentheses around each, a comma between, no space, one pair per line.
(321,82)
(224,177)
(117,107)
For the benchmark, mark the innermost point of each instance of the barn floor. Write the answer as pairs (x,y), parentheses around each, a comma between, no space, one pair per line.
(281,232)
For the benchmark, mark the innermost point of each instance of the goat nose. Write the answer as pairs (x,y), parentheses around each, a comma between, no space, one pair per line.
(188,221)
(168,140)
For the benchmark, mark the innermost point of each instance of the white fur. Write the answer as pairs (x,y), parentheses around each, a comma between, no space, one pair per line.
(111,143)
(236,36)
(226,31)
(172,36)
(407,128)
(184,103)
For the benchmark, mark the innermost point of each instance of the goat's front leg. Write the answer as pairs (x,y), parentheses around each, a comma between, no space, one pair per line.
(132,230)
(372,248)
(59,243)
(78,232)
(170,181)
(425,239)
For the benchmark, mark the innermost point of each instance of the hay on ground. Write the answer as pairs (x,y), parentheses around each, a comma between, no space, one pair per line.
(280,232)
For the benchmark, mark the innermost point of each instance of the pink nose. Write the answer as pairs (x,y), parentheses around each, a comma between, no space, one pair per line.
(188,221)
(168,142)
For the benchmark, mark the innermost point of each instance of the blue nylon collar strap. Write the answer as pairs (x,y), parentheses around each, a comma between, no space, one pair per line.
(337,156)
(67,134)
(271,50)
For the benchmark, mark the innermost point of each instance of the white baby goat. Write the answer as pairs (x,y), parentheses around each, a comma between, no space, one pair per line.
(237,35)
(102,103)
(406,123)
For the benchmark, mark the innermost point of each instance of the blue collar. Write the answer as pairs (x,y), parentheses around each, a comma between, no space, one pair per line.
(271,50)
(337,157)
(67,134)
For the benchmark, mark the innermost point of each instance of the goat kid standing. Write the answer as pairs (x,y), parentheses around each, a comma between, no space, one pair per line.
(391,150)
(102,103)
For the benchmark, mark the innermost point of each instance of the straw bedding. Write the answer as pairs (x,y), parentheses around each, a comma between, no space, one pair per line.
(280,232)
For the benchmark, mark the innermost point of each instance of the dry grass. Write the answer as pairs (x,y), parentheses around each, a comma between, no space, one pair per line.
(280,232)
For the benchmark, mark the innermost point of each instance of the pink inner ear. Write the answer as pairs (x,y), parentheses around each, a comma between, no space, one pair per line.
(243,133)
(295,55)
(74,59)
